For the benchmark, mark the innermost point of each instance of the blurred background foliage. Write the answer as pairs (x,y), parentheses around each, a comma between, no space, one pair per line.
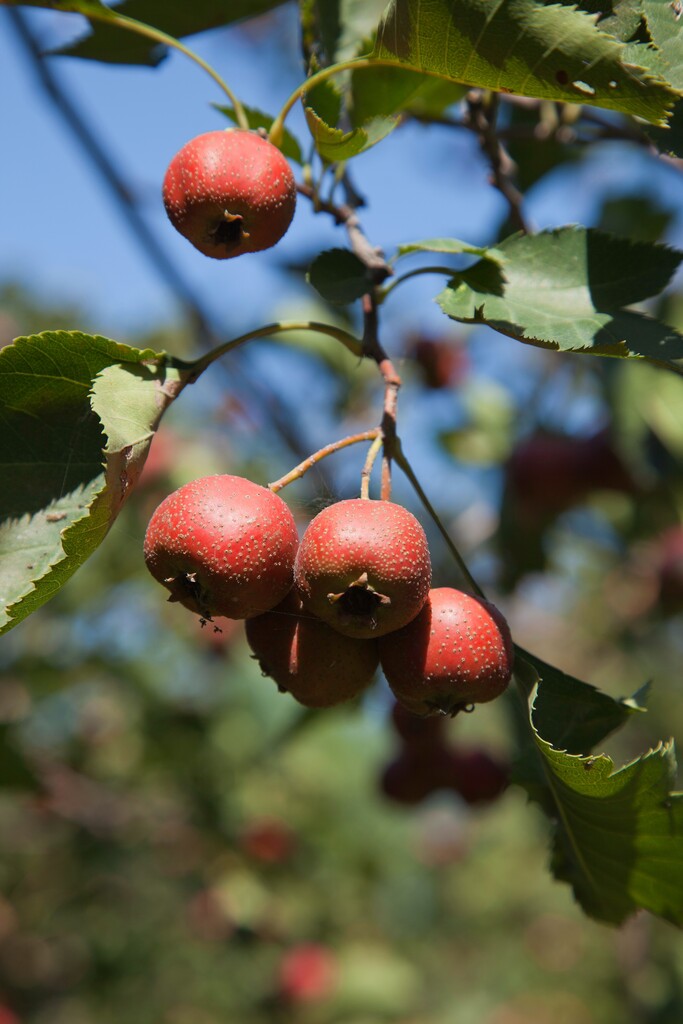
(180,844)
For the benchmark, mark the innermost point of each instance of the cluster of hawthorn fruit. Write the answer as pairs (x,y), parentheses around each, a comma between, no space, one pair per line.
(322,613)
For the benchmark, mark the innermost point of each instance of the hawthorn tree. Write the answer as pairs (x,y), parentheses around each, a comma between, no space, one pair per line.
(532,82)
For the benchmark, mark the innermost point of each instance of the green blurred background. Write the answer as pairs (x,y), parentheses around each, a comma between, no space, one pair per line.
(180,843)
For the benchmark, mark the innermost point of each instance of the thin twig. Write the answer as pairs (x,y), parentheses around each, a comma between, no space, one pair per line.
(481,117)
(402,461)
(344,213)
(322,453)
(370,460)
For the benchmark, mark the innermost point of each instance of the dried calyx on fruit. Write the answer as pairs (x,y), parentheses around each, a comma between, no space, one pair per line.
(317,665)
(230,192)
(456,652)
(223,545)
(363,567)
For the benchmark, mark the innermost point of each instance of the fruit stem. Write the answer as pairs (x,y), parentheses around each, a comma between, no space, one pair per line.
(408,470)
(352,344)
(276,129)
(329,449)
(385,292)
(366,471)
(142,29)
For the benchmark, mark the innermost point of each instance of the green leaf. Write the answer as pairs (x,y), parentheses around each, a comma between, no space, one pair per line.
(618,833)
(665,25)
(78,413)
(450,245)
(176,18)
(339,27)
(258,119)
(384,92)
(562,289)
(572,715)
(335,145)
(525,47)
(339,276)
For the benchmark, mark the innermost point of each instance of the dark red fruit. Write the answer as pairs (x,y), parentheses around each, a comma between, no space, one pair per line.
(441,362)
(268,840)
(417,773)
(230,192)
(477,777)
(223,545)
(363,566)
(317,665)
(417,731)
(458,651)
(307,973)
(548,473)
(670,570)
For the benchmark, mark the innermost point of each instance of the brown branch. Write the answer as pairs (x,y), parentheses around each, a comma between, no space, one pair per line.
(481,118)
(345,214)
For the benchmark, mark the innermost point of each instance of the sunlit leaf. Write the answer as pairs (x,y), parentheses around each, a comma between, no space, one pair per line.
(565,289)
(525,47)
(78,413)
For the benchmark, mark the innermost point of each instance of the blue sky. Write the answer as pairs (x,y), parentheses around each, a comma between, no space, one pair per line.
(63,236)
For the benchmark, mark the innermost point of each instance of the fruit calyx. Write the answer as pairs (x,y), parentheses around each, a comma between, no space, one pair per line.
(186,589)
(229,231)
(358,602)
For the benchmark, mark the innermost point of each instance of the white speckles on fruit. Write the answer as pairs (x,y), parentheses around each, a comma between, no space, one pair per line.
(230,192)
(457,651)
(223,545)
(363,566)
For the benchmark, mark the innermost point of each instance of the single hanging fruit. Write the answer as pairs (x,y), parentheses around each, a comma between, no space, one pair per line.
(363,567)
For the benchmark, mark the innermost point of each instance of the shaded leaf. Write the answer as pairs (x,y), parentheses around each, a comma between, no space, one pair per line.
(338,27)
(618,832)
(78,413)
(521,46)
(575,716)
(174,17)
(384,92)
(563,289)
(339,276)
(258,119)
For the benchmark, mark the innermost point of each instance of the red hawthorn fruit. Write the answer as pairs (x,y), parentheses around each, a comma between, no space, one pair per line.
(268,840)
(363,567)
(223,545)
(477,777)
(441,362)
(317,665)
(548,473)
(416,731)
(417,773)
(307,973)
(458,651)
(230,192)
